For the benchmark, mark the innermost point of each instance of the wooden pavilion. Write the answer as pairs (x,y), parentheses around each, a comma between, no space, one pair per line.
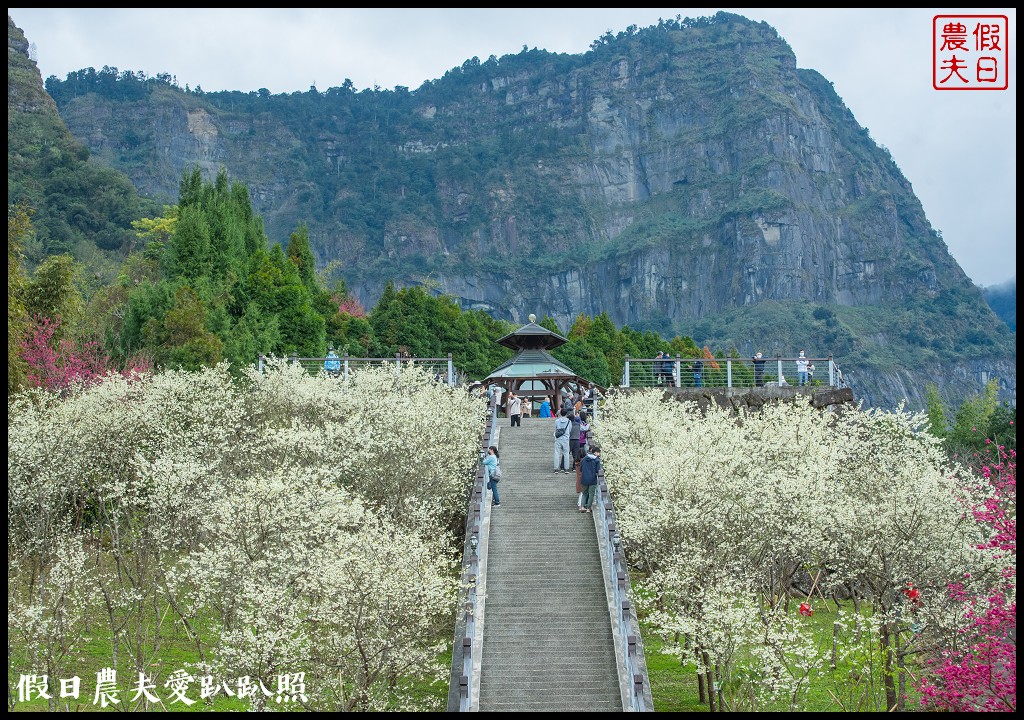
(533,373)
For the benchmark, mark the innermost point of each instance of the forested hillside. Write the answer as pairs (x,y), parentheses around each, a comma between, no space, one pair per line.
(1003,301)
(78,205)
(735,201)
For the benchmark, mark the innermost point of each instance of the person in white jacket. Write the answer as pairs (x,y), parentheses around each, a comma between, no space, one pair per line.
(801,369)
(563,459)
(515,409)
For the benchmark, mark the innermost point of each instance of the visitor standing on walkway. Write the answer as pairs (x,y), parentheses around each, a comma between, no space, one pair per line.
(574,438)
(659,377)
(562,427)
(332,364)
(668,370)
(545,408)
(589,397)
(584,433)
(566,400)
(492,471)
(801,369)
(515,409)
(590,466)
(698,373)
(759,362)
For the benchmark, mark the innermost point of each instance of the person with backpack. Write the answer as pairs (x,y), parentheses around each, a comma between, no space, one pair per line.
(590,467)
(698,373)
(492,473)
(562,427)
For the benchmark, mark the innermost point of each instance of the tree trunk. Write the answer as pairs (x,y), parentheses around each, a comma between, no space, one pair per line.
(835,634)
(712,700)
(700,680)
(887,678)
(901,665)
(718,695)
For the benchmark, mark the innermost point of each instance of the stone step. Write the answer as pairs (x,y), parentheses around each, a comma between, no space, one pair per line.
(547,635)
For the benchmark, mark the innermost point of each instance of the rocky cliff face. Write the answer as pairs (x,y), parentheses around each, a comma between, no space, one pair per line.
(668,177)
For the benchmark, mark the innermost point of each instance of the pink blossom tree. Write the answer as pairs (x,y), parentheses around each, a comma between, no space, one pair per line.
(350,306)
(55,362)
(978,671)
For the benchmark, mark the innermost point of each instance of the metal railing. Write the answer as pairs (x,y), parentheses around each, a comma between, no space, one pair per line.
(625,624)
(465,673)
(442,369)
(683,372)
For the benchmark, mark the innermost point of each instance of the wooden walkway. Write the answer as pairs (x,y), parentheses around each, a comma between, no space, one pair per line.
(547,638)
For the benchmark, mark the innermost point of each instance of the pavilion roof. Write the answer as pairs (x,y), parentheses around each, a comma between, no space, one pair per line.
(532,337)
(532,363)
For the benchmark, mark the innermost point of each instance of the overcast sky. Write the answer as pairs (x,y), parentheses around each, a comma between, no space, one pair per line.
(957,148)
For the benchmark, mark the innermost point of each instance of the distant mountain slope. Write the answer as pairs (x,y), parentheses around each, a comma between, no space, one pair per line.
(686,178)
(80,207)
(1003,301)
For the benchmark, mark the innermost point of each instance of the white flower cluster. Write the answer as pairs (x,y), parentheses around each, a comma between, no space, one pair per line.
(305,523)
(724,515)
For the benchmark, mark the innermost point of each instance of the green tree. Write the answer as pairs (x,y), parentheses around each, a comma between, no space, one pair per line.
(157,232)
(585,360)
(52,292)
(19,226)
(274,285)
(188,255)
(972,421)
(936,410)
(255,333)
(301,256)
(180,337)
(385,322)
(549,323)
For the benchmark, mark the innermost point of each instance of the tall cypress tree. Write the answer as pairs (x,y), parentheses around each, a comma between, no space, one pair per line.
(301,256)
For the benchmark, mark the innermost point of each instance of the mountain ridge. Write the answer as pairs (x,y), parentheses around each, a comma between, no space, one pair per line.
(621,180)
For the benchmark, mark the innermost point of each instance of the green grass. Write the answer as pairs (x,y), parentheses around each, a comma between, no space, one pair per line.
(855,684)
(177,651)
(673,686)
(95,651)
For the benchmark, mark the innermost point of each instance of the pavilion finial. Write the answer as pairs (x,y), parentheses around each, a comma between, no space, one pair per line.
(533,318)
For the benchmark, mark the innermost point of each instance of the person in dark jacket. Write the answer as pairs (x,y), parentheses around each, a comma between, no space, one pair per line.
(698,373)
(668,370)
(759,362)
(590,466)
